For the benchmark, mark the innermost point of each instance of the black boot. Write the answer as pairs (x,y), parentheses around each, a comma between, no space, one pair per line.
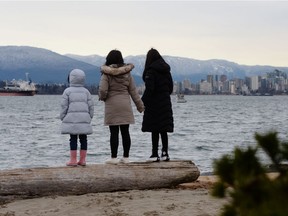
(165,156)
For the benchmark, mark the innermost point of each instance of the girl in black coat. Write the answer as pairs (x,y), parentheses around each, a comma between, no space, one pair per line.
(158,114)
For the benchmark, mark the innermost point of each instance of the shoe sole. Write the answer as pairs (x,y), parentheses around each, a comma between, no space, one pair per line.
(165,158)
(72,165)
(114,163)
(122,162)
(156,160)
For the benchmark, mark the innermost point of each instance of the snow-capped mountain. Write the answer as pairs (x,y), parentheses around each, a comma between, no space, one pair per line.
(96,60)
(187,68)
(43,66)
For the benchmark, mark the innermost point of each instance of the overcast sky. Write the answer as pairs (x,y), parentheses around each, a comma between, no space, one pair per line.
(245,32)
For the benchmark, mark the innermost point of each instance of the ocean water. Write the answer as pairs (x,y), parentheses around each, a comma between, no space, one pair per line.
(206,127)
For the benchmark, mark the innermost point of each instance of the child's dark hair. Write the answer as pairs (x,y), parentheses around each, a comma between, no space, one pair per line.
(152,55)
(114,57)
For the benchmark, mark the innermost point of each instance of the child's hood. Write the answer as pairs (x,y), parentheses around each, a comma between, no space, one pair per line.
(77,77)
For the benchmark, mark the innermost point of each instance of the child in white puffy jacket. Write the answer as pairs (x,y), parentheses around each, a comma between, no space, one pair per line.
(77,109)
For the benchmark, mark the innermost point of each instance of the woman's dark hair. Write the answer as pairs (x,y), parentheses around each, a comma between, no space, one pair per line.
(152,56)
(114,57)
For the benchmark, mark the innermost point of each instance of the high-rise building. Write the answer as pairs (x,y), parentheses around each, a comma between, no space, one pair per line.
(186,84)
(205,88)
(210,79)
(254,84)
(223,78)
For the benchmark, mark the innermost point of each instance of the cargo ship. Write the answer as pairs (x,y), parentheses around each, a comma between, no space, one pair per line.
(18,88)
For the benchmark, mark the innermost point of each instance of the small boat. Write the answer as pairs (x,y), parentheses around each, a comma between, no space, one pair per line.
(18,88)
(180,98)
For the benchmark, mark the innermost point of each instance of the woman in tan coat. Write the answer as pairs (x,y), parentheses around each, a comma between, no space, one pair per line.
(116,89)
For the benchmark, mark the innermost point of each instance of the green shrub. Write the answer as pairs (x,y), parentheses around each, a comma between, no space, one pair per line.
(244,179)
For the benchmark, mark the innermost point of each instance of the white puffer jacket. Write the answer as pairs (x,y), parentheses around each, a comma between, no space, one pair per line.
(77,106)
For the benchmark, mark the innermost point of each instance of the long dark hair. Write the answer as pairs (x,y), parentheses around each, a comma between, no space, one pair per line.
(114,57)
(152,56)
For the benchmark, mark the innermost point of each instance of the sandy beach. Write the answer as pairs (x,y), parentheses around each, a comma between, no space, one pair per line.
(191,199)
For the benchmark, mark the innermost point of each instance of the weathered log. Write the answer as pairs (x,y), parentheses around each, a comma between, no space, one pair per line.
(38,182)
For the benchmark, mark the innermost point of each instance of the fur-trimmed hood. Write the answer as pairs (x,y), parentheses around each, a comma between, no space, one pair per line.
(115,70)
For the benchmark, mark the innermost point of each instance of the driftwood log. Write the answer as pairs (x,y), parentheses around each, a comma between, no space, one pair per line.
(38,182)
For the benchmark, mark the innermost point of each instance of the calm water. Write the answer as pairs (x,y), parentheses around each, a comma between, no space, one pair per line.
(206,127)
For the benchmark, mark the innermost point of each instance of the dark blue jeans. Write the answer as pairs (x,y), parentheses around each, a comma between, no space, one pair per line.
(73,141)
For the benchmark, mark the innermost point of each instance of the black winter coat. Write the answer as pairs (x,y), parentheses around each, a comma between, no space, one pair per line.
(158,114)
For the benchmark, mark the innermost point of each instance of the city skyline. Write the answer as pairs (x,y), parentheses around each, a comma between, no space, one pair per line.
(274,82)
(245,32)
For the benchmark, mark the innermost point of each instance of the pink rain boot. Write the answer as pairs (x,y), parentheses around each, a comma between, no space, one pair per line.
(73,158)
(82,161)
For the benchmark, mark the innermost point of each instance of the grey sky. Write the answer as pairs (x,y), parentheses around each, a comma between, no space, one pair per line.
(251,33)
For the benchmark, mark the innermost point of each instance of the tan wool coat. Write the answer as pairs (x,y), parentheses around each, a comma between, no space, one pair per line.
(116,89)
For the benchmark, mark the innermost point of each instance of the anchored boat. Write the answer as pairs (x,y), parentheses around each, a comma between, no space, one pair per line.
(181,99)
(18,88)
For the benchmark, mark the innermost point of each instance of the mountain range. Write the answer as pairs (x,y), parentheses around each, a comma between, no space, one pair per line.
(45,66)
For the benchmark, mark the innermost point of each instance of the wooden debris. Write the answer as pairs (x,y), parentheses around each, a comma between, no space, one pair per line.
(39,182)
